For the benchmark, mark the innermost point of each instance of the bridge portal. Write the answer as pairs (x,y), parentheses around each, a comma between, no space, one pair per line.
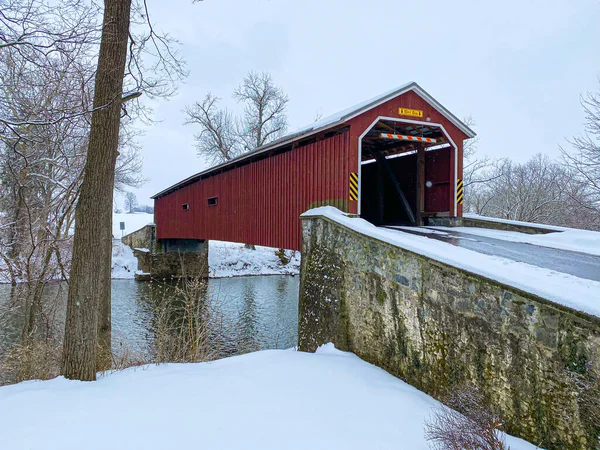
(406,172)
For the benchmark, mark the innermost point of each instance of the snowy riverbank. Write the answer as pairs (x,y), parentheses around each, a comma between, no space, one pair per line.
(272,399)
(225,259)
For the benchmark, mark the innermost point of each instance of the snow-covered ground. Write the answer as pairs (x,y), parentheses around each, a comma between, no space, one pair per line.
(582,241)
(514,222)
(124,264)
(227,259)
(568,290)
(274,399)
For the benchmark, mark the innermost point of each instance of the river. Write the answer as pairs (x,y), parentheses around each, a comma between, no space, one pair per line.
(265,309)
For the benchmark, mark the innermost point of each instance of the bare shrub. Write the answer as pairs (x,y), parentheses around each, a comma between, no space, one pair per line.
(475,427)
(189,327)
(36,360)
(283,258)
(36,351)
(125,356)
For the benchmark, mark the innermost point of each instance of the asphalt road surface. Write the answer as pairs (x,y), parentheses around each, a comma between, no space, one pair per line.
(580,265)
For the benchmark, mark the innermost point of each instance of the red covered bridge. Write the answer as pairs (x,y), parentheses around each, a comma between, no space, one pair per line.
(395,159)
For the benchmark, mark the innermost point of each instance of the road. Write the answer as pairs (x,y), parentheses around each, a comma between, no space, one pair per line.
(580,265)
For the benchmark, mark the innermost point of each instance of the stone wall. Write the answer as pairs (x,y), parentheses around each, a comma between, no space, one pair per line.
(142,238)
(439,328)
(167,264)
(490,224)
(174,264)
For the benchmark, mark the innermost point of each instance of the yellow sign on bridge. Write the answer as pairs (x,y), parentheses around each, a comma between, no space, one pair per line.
(410,112)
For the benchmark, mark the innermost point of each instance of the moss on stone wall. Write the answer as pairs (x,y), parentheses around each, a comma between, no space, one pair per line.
(173,265)
(322,276)
(179,265)
(439,327)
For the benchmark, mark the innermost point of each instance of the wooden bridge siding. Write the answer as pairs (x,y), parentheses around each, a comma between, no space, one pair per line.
(259,203)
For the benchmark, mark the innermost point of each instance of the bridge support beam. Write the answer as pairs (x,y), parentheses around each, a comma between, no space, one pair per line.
(167,259)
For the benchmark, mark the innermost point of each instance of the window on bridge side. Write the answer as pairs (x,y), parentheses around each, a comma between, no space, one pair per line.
(185,206)
(212,201)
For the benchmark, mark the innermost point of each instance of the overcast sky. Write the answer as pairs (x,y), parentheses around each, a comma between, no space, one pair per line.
(518,67)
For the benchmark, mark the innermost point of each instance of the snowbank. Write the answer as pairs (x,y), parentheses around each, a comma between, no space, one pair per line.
(568,290)
(582,241)
(515,222)
(124,264)
(227,259)
(274,399)
(133,222)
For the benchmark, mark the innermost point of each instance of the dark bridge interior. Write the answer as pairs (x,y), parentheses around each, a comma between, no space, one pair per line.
(404,181)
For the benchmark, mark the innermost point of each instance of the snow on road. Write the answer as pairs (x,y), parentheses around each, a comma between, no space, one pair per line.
(570,239)
(515,222)
(274,399)
(577,293)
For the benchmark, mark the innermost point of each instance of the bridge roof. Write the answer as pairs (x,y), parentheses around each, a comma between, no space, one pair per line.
(326,123)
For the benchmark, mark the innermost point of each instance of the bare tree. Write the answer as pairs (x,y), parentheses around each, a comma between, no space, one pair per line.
(130,202)
(478,171)
(47,81)
(217,140)
(48,60)
(128,171)
(539,190)
(527,192)
(90,270)
(584,160)
(36,35)
(474,164)
(222,137)
(128,64)
(265,110)
(44,68)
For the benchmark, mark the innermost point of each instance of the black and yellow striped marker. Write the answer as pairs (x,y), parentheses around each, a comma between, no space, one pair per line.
(353,186)
(460,192)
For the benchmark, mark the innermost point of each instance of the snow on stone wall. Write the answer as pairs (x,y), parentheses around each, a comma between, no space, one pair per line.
(438,327)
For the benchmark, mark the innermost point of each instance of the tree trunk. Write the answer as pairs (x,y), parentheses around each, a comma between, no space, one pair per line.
(88,307)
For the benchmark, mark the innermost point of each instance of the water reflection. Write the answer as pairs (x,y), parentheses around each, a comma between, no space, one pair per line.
(248,320)
(264,308)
